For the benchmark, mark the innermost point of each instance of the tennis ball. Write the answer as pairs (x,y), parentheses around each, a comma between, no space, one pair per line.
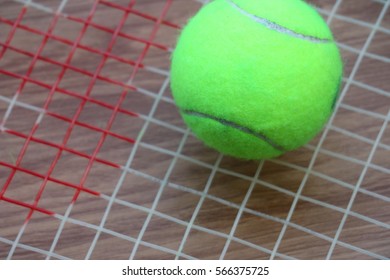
(256,78)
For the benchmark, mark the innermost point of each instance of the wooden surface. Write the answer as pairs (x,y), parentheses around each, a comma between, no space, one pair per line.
(176,197)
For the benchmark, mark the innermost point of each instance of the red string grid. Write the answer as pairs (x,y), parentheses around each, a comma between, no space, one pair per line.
(9,168)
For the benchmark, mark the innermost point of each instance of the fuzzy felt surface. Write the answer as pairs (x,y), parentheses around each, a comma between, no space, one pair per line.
(254,79)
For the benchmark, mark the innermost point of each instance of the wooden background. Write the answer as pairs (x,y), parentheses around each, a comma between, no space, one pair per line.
(176,198)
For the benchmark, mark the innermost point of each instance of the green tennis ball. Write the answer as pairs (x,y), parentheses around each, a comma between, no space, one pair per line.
(256,78)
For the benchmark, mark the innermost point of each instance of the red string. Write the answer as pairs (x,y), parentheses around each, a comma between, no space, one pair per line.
(84,97)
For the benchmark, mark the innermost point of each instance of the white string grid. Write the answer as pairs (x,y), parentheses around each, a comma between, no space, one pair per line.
(139,244)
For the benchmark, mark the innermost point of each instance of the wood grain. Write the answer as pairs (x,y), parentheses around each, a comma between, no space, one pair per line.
(319,210)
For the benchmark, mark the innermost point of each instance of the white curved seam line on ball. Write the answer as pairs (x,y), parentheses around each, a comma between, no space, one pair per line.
(276,27)
(234,125)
